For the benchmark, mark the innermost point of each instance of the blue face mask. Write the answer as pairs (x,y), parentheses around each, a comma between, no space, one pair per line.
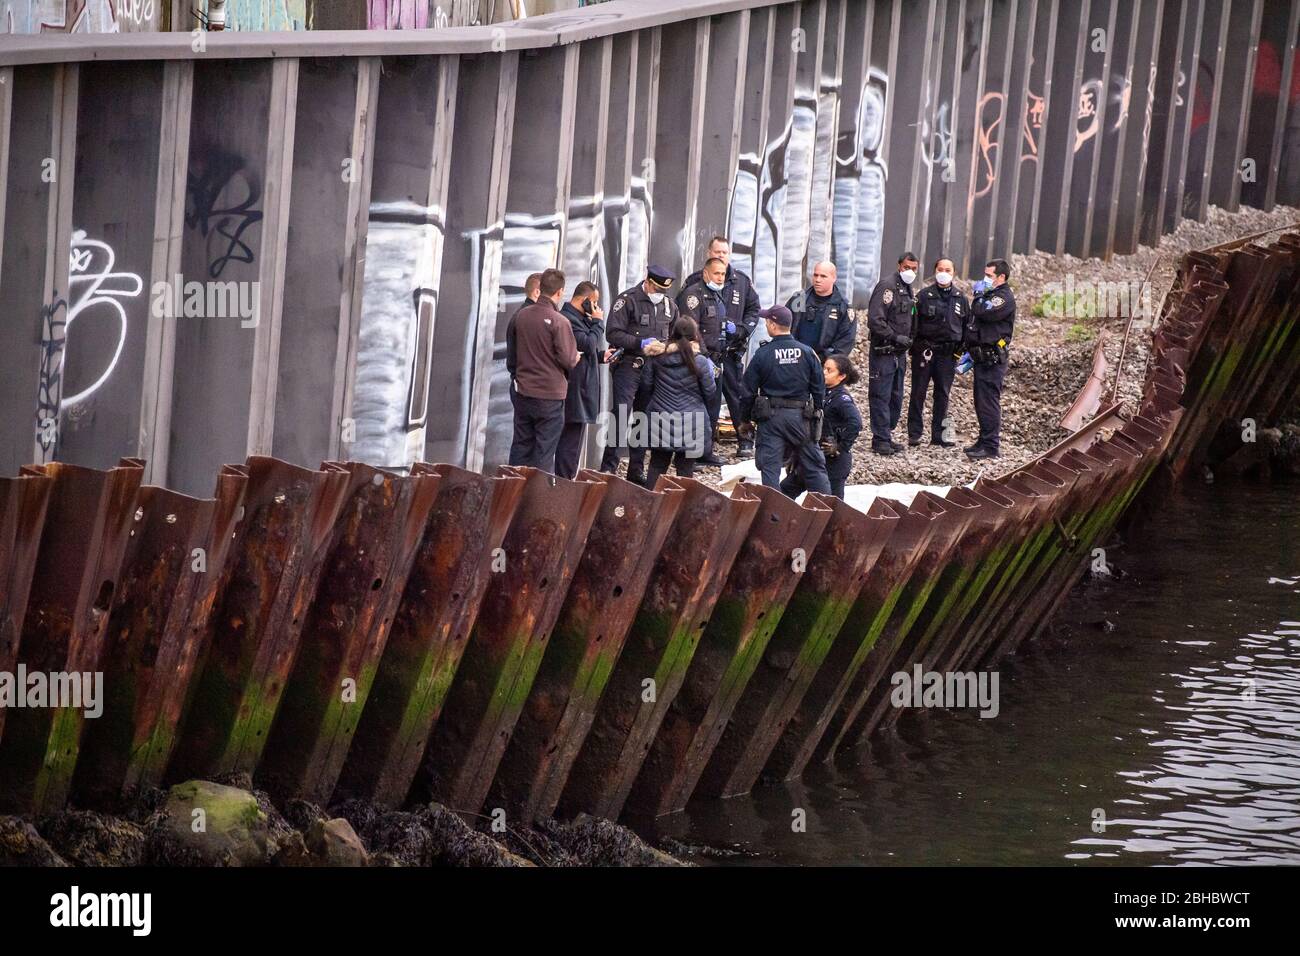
(715,286)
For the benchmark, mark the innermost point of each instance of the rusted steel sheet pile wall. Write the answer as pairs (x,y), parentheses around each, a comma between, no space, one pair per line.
(543,646)
(306,245)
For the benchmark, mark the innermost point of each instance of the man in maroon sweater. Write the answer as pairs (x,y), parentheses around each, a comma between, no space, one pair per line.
(545,353)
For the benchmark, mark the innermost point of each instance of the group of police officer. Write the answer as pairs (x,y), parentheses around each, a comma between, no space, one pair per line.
(782,388)
(935,326)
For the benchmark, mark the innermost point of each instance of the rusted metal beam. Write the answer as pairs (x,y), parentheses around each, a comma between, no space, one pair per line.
(585,645)
(536,562)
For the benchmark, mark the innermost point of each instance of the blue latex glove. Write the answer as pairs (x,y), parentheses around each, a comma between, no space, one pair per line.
(965,363)
(729,327)
(981,286)
(645,342)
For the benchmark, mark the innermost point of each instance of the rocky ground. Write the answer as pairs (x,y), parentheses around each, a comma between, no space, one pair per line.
(1051,357)
(208,823)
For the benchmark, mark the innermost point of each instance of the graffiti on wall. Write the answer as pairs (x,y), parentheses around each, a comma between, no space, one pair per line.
(267,15)
(81,16)
(403,259)
(397,14)
(96,293)
(858,202)
(221,197)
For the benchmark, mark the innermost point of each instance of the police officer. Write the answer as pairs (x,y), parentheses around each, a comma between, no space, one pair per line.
(821,315)
(890,322)
(785,392)
(988,338)
(840,429)
(704,302)
(639,316)
(941,314)
(743,314)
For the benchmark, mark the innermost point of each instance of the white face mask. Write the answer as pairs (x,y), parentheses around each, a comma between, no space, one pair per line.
(943,278)
(909,275)
(656,297)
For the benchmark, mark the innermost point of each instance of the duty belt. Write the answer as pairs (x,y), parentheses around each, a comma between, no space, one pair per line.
(787,402)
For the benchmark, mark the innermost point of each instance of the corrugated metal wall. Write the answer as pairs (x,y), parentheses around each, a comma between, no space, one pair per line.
(307,245)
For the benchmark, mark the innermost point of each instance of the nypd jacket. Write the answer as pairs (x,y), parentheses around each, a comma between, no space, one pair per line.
(839,330)
(842,422)
(709,310)
(784,367)
(890,314)
(941,316)
(741,300)
(993,317)
(634,317)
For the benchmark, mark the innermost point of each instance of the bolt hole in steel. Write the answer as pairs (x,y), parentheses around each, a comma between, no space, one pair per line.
(544,583)
(455,595)
(105,596)
(379,583)
(618,590)
(773,517)
(619,511)
(139,514)
(280,498)
(171,519)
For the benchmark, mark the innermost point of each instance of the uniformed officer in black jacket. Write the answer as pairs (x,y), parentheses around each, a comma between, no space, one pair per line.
(941,314)
(742,311)
(988,338)
(840,428)
(821,315)
(785,392)
(639,316)
(704,302)
(891,324)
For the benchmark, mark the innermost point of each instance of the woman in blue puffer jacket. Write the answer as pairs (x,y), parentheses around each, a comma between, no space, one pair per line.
(677,383)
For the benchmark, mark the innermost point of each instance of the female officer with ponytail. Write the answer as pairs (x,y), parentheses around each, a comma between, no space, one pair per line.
(840,428)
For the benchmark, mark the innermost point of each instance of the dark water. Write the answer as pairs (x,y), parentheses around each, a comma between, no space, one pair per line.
(1176,734)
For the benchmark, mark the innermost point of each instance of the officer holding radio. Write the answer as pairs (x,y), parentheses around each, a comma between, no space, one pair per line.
(785,392)
(988,338)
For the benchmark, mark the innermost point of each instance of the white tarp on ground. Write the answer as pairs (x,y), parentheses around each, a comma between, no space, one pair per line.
(859,496)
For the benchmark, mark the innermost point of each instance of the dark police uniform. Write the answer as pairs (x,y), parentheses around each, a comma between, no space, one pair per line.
(890,324)
(941,315)
(742,311)
(786,374)
(988,337)
(632,318)
(840,429)
(824,323)
(709,310)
